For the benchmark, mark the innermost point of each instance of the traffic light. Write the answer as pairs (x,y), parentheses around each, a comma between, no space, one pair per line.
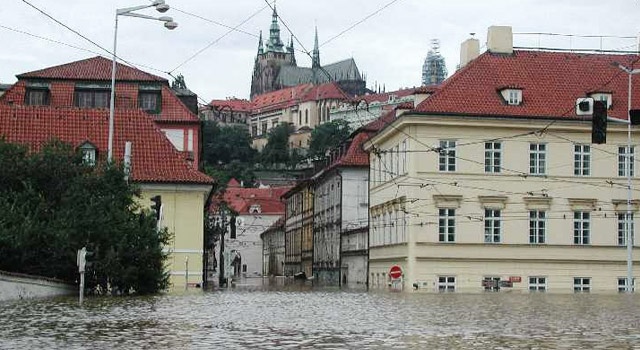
(599,123)
(82,262)
(156,206)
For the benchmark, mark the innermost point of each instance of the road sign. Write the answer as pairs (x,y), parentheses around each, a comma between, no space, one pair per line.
(395,272)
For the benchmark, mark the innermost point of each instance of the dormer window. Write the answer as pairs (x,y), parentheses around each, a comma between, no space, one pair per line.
(513,97)
(37,94)
(92,95)
(255,209)
(150,98)
(88,151)
(602,96)
(392,98)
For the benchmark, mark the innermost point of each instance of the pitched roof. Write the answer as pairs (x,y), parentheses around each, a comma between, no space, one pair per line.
(337,71)
(343,70)
(550,82)
(154,159)
(280,98)
(384,96)
(236,104)
(241,200)
(95,68)
(324,92)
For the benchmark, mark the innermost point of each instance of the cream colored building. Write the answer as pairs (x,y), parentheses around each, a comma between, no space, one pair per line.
(493,182)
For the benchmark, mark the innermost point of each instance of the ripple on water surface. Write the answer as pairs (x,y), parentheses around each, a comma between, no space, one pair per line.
(301,318)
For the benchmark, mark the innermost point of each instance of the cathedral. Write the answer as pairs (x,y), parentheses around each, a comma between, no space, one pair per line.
(275,67)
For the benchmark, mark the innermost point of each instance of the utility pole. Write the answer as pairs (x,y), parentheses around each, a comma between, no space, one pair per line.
(81,260)
(223,227)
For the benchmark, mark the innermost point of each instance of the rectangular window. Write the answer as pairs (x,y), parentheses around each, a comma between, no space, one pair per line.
(581,227)
(392,163)
(537,158)
(625,160)
(492,157)
(537,284)
(447,157)
(36,97)
(625,228)
(622,284)
(492,225)
(92,98)
(491,284)
(537,226)
(176,137)
(149,101)
(582,284)
(447,225)
(582,160)
(446,284)
(254,130)
(274,123)
(264,128)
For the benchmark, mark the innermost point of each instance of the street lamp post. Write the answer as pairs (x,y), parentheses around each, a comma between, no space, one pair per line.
(129,11)
(629,234)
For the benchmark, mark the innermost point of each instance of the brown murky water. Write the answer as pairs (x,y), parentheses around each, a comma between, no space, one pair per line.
(302,318)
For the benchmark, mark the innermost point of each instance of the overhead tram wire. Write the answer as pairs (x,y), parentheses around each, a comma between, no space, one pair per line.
(359,22)
(83,37)
(235,29)
(219,38)
(49,39)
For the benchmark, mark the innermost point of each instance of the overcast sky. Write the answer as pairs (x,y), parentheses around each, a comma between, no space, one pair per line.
(389,47)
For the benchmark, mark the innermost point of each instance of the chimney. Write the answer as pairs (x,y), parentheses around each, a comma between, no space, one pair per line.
(500,40)
(469,50)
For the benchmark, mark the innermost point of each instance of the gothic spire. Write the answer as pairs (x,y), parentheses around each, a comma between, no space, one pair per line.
(274,44)
(291,52)
(315,61)
(260,48)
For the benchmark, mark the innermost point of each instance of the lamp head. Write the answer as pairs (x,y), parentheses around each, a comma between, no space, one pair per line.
(162,8)
(165,19)
(171,25)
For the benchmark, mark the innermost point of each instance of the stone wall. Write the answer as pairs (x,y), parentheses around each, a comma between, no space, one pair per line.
(19,286)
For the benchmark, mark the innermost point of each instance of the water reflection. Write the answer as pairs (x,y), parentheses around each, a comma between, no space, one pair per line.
(300,317)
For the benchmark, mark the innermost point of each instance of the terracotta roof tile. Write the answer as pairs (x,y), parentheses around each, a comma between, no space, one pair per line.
(154,159)
(324,92)
(236,104)
(241,200)
(95,68)
(550,82)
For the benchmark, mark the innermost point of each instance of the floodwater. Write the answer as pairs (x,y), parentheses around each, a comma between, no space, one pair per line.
(299,317)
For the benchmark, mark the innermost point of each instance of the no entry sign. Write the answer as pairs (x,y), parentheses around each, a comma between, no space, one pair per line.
(395,272)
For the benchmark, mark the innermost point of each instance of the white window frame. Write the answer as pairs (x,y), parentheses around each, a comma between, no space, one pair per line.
(582,160)
(625,160)
(581,227)
(537,226)
(446,225)
(623,229)
(581,284)
(447,156)
(492,157)
(514,97)
(492,225)
(537,283)
(446,284)
(622,287)
(537,158)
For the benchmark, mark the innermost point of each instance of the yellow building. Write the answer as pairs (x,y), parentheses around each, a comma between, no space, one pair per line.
(71,103)
(493,183)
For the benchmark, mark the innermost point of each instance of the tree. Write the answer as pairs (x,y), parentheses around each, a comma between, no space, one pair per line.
(276,150)
(223,144)
(53,204)
(227,153)
(327,136)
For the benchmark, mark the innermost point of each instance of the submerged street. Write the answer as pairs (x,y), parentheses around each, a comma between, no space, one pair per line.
(302,317)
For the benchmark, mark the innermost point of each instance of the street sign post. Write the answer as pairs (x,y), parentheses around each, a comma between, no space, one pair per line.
(395,272)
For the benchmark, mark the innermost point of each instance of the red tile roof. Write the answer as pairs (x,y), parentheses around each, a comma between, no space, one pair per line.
(154,159)
(241,200)
(384,97)
(324,92)
(279,99)
(236,104)
(550,82)
(291,96)
(95,68)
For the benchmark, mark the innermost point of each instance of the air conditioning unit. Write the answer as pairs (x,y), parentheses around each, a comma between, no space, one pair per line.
(584,106)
